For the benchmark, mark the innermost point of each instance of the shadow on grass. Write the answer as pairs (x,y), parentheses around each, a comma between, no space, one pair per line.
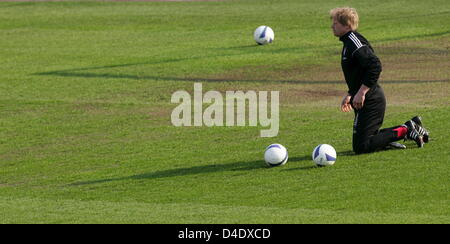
(312,165)
(75,73)
(195,170)
(346,153)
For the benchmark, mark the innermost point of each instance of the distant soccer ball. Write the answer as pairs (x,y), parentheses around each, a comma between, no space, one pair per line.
(263,35)
(324,155)
(276,155)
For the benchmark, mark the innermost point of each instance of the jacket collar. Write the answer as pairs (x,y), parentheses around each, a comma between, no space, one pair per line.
(342,38)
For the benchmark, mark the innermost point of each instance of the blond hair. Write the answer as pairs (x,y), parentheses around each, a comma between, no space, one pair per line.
(346,16)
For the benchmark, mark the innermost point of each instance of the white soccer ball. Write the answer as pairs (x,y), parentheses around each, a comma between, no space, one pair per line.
(264,35)
(276,155)
(324,155)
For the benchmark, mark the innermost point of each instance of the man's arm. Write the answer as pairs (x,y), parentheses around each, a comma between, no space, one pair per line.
(371,65)
(372,69)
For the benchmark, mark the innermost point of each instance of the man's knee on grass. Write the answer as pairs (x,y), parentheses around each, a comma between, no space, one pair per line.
(361,148)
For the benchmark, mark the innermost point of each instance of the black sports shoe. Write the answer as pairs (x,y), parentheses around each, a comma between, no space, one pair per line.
(422,131)
(413,134)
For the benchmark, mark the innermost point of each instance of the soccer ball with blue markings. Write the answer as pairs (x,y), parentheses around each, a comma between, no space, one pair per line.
(276,155)
(263,35)
(324,155)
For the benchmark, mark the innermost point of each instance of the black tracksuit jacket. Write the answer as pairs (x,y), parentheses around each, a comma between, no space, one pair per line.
(359,63)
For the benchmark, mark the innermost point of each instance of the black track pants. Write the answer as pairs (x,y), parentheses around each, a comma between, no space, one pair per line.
(367,136)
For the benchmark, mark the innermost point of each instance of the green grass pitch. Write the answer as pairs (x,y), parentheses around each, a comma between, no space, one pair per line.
(86,135)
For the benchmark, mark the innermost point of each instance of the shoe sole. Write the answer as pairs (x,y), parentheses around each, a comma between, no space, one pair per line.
(418,120)
(421,142)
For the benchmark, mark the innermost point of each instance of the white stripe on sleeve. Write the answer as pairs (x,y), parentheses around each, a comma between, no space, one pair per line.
(355,40)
